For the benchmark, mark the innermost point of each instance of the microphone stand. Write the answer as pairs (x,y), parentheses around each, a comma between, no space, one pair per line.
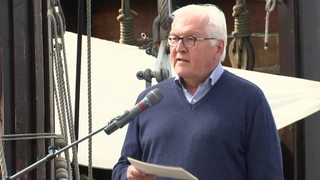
(113,125)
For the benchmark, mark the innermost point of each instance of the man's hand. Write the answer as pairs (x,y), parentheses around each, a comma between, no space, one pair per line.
(136,174)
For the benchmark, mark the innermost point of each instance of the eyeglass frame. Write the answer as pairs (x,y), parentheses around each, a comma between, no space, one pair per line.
(184,37)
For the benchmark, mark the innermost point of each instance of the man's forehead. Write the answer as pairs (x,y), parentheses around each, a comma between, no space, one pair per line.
(191,25)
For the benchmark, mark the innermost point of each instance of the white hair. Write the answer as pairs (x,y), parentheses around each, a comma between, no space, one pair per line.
(216,26)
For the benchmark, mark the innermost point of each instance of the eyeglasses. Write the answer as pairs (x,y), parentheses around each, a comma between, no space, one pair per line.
(187,41)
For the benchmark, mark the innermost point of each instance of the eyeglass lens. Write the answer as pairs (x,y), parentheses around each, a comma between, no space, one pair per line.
(188,41)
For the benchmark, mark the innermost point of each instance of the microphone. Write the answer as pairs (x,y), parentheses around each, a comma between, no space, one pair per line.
(152,98)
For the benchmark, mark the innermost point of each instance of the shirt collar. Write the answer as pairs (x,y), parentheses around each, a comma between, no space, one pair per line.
(213,78)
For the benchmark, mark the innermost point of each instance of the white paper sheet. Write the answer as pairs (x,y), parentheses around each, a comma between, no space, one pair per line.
(162,171)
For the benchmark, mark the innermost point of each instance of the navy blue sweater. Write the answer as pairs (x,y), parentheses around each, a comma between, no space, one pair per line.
(229,134)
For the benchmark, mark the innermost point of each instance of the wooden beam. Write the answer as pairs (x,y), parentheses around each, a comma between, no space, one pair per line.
(289,55)
(24,83)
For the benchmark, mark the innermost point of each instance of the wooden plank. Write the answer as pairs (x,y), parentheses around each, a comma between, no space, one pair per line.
(22,84)
(291,136)
(38,64)
(6,81)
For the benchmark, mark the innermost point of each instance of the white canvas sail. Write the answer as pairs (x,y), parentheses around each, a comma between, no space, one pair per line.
(115,88)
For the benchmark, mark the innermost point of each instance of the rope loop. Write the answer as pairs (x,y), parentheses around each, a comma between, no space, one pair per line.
(270,5)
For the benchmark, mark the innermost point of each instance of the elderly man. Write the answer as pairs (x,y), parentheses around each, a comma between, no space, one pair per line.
(210,122)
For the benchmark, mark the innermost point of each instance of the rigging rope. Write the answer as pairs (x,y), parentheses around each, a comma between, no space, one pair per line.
(60,106)
(89,88)
(126,23)
(61,83)
(56,86)
(3,164)
(63,127)
(164,11)
(270,5)
(27,136)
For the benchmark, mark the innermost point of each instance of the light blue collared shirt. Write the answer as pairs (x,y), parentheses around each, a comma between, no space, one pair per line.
(204,87)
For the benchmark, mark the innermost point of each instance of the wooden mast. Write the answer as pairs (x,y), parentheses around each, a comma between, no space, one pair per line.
(26,95)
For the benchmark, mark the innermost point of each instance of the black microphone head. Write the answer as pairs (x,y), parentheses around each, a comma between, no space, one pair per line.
(154,96)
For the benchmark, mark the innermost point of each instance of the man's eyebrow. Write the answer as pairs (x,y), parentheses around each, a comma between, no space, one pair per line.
(185,35)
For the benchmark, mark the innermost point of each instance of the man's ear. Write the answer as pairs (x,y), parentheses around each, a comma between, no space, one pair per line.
(220,49)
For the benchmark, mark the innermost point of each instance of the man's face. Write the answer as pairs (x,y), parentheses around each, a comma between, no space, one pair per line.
(195,63)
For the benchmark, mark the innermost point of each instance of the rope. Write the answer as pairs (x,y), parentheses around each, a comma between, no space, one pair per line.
(241,22)
(61,168)
(28,136)
(241,27)
(89,88)
(60,162)
(270,5)
(63,129)
(19,137)
(61,83)
(59,100)
(3,164)
(126,23)
(57,86)
(63,126)
(165,7)
(67,98)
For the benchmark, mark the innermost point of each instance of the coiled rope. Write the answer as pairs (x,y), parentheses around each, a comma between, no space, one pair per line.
(126,23)
(240,49)
(61,164)
(241,22)
(270,5)
(241,26)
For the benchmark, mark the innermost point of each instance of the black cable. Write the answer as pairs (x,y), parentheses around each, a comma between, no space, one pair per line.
(78,70)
